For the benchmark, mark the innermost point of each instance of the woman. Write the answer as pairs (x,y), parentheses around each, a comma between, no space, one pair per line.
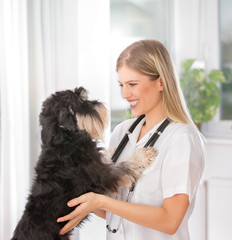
(164,196)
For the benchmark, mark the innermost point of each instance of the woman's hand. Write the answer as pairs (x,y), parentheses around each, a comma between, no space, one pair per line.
(86,203)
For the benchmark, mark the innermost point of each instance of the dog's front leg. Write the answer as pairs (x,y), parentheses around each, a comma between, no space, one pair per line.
(140,160)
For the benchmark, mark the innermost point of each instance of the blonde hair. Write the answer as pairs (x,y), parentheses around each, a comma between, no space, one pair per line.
(150,57)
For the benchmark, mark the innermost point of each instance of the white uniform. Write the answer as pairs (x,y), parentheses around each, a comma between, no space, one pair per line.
(177,169)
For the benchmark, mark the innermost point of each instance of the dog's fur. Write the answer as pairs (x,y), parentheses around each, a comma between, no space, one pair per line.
(71,164)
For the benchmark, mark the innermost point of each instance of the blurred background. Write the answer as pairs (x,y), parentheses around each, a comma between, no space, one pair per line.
(50,45)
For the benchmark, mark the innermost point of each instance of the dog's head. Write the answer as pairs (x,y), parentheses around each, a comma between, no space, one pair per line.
(69,112)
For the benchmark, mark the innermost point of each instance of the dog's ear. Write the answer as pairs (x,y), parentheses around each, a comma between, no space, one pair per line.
(82,92)
(66,119)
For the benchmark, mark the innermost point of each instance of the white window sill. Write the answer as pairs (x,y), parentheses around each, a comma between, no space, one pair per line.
(218,141)
(218,130)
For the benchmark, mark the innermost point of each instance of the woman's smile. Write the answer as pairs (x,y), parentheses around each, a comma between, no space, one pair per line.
(133,103)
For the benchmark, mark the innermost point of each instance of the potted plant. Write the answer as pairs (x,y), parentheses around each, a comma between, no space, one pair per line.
(201,91)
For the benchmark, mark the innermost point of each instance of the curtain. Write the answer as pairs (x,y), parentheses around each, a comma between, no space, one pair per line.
(45,46)
(52,56)
(38,57)
(14,113)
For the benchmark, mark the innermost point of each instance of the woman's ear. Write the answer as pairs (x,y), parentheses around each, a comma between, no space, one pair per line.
(160,84)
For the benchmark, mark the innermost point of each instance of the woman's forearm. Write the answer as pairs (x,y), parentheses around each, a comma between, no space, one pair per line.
(165,219)
(100,213)
(139,214)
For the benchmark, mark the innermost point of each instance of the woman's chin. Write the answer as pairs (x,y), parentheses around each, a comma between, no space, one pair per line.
(136,113)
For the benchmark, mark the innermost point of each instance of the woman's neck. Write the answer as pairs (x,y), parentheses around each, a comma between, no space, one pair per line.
(152,120)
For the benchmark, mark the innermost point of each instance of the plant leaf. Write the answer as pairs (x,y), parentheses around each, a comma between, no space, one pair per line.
(201,91)
(187,64)
(217,76)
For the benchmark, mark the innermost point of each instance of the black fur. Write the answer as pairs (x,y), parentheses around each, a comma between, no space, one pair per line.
(69,165)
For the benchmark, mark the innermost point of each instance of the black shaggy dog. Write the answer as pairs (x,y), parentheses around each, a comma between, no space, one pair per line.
(71,164)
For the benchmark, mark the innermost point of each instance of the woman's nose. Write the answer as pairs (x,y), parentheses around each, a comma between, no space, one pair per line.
(125,92)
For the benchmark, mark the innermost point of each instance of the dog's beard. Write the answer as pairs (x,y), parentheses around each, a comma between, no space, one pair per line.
(93,124)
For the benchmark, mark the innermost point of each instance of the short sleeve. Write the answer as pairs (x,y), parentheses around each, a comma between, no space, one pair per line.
(182,166)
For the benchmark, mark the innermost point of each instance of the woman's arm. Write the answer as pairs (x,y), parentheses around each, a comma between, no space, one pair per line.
(100,213)
(165,219)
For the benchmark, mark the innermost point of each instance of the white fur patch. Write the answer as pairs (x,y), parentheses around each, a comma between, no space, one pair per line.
(94,126)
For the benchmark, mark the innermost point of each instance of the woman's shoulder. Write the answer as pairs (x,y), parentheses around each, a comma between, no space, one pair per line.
(181,132)
(178,128)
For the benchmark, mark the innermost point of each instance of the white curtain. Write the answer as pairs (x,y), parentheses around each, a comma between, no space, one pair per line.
(38,57)
(52,56)
(14,113)
(45,46)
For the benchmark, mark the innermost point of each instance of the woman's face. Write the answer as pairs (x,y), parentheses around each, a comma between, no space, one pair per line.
(143,94)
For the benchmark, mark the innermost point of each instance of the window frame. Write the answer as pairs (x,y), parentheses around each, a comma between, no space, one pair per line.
(216,128)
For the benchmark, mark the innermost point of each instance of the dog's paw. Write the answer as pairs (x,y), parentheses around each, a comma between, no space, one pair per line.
(141,159)
(145,157)
(107,156)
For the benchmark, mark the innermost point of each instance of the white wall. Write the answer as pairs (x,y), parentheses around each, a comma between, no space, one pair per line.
(219,159)
(218,165)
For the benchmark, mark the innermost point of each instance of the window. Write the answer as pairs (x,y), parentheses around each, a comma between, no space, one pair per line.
(221,125)
(226,58)
(132,20)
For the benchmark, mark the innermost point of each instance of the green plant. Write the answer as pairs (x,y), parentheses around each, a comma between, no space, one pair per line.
(201,91)
(128,114)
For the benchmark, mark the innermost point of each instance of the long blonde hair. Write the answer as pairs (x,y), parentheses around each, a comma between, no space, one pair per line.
(150,57)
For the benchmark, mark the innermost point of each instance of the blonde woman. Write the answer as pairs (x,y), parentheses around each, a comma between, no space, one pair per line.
(163,198)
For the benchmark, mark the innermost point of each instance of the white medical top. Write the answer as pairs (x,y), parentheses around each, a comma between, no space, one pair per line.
(177,169)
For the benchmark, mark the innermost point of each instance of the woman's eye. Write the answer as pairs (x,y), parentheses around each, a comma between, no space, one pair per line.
(130,84)
(133,84)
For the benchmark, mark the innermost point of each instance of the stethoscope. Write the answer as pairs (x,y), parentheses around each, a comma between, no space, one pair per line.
(120,148)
